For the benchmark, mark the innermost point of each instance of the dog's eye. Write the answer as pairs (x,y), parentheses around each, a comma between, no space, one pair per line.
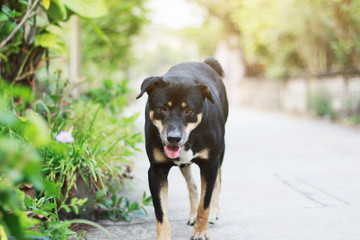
(162,109)
(188,110)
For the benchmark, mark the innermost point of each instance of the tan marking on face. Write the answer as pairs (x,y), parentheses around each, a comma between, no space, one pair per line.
(169,104)
(157,123)
(193,192)
(164,228)
(183,104)
(192,126)
(159,156)
(202,223)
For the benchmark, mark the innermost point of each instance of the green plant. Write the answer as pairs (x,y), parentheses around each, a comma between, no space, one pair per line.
(49,141)
(20,136)
(20,139)
(320,103)
(46,210)
(96,143)
(115,209)
(355,119)
(111,95)
(31,28)
(28,151)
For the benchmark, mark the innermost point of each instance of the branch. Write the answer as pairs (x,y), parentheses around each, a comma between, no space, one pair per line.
(25,75)
(27,14)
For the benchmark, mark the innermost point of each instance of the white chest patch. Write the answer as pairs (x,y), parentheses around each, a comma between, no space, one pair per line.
(186,157)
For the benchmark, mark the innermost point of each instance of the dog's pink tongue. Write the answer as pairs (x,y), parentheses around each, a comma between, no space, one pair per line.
(172,152)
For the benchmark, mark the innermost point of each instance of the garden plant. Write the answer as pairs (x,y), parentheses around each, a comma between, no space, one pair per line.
(62,158)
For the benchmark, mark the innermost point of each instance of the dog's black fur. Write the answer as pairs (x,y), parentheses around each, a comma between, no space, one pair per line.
(187,109)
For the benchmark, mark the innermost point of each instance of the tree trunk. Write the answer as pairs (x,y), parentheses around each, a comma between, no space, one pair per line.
(74,54)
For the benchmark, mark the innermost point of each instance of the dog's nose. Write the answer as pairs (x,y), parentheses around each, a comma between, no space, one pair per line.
(173,137)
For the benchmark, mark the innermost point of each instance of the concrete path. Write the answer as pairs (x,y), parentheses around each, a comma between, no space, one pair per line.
(284,178)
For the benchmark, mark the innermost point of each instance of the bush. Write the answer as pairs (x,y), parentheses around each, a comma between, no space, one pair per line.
(53,147)
(320,103)
(57,147)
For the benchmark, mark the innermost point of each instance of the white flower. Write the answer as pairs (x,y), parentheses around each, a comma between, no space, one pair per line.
(64,137)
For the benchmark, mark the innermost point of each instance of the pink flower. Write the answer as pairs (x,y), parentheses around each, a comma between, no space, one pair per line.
(64,137)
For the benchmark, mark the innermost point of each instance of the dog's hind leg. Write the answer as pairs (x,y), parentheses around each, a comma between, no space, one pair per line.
(214,205)
(193,193)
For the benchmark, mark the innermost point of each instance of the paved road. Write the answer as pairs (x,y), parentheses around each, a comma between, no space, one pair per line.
(284,178)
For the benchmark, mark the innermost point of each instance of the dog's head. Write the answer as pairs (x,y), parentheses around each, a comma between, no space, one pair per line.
(175,109)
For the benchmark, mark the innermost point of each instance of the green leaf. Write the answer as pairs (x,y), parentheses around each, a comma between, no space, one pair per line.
(40,202)
(99,32)
(127,203)
(36,130)
(113,200)
(57,11)
(108,83)
(87,8)
(134,206)
(67,209)
(76,209)
(119,201)
(6,29)
(4,57)
(7,118)
(28,202)
(10,13)
(50,40)
(6,10)
(49,207)
(3,17)
(127,217)
(30,21)
(24,2)
(144,210)
(100,194)
(13,224)
(52,189)
(147,202)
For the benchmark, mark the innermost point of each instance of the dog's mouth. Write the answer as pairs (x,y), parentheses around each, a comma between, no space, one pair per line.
(172,151)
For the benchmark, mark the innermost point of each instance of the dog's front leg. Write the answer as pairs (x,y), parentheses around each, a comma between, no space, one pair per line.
(193,193)
(159,191)
(209,172)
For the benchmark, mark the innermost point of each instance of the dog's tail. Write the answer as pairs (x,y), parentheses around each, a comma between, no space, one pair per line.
(214,64)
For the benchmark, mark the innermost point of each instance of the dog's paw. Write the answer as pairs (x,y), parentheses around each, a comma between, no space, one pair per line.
(200,235)
(213,218)
(191,221)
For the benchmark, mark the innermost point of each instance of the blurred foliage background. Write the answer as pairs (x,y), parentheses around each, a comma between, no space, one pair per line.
(276,38)
(287,37)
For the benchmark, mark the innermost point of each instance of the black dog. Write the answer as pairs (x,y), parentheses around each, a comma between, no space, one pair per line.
(185,123)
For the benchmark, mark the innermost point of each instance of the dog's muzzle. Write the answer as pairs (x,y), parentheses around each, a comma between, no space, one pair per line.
(172,147)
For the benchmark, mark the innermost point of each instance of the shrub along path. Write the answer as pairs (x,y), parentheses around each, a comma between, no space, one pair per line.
(283,178)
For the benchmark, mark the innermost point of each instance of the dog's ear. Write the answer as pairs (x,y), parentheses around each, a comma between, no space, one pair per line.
(148,85)
(205,92)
